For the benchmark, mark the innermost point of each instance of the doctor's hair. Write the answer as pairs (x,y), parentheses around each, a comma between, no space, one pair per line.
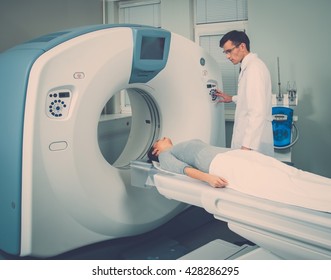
(152,157)
(236,37)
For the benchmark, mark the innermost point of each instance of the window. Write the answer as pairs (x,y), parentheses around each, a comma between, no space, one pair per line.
(213,19)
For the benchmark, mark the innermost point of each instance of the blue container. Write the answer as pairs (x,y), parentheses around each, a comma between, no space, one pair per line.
(282,126)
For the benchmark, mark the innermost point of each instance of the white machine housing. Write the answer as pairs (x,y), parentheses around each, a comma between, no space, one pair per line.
(71,195)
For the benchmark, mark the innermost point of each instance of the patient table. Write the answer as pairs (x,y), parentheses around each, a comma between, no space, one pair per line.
(281,231)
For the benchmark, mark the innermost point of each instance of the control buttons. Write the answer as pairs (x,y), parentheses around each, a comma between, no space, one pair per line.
(57,107)
(211,87)
(57,104)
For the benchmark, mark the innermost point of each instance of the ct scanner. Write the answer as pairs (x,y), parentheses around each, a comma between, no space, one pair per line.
(58,191)
(63,188)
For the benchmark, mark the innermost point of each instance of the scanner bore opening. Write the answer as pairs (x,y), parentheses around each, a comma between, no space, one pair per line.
(126,136)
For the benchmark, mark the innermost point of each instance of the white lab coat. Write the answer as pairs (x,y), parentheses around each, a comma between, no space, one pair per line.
(253,116)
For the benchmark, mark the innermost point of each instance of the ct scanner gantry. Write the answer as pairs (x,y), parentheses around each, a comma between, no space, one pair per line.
(58,192)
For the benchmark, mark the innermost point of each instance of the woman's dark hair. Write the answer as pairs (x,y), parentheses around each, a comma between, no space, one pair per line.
(236,37)
(152,157)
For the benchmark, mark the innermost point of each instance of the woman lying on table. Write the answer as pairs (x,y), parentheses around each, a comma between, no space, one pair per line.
(249,172)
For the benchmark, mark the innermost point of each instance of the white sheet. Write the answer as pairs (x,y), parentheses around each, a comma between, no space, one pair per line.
(265,177)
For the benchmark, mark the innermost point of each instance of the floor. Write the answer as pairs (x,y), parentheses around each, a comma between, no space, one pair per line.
(186,232)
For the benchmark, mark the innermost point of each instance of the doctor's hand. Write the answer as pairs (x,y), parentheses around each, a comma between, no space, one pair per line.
(224,98)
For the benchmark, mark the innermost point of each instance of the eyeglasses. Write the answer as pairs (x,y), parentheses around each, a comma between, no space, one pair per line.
(229,51)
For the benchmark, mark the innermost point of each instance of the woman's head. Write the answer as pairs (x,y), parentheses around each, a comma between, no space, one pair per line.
(158,147)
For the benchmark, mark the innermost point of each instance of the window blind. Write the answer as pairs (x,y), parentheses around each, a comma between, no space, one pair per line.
(211,11)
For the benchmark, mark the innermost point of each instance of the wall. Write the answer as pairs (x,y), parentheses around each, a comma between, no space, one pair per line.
(297,32)
(113,134)
(22,20)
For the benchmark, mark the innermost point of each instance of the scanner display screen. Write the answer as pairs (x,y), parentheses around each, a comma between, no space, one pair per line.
(152,48)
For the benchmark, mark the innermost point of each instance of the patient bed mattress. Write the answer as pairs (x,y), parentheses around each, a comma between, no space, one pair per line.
(288,231)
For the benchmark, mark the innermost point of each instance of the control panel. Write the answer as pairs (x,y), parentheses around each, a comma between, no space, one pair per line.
(58,103)
(211,88)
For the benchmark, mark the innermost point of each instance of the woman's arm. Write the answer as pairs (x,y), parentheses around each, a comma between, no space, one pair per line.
(213,180)
(170,163)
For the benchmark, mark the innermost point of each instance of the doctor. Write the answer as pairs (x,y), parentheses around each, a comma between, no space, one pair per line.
(252,123)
